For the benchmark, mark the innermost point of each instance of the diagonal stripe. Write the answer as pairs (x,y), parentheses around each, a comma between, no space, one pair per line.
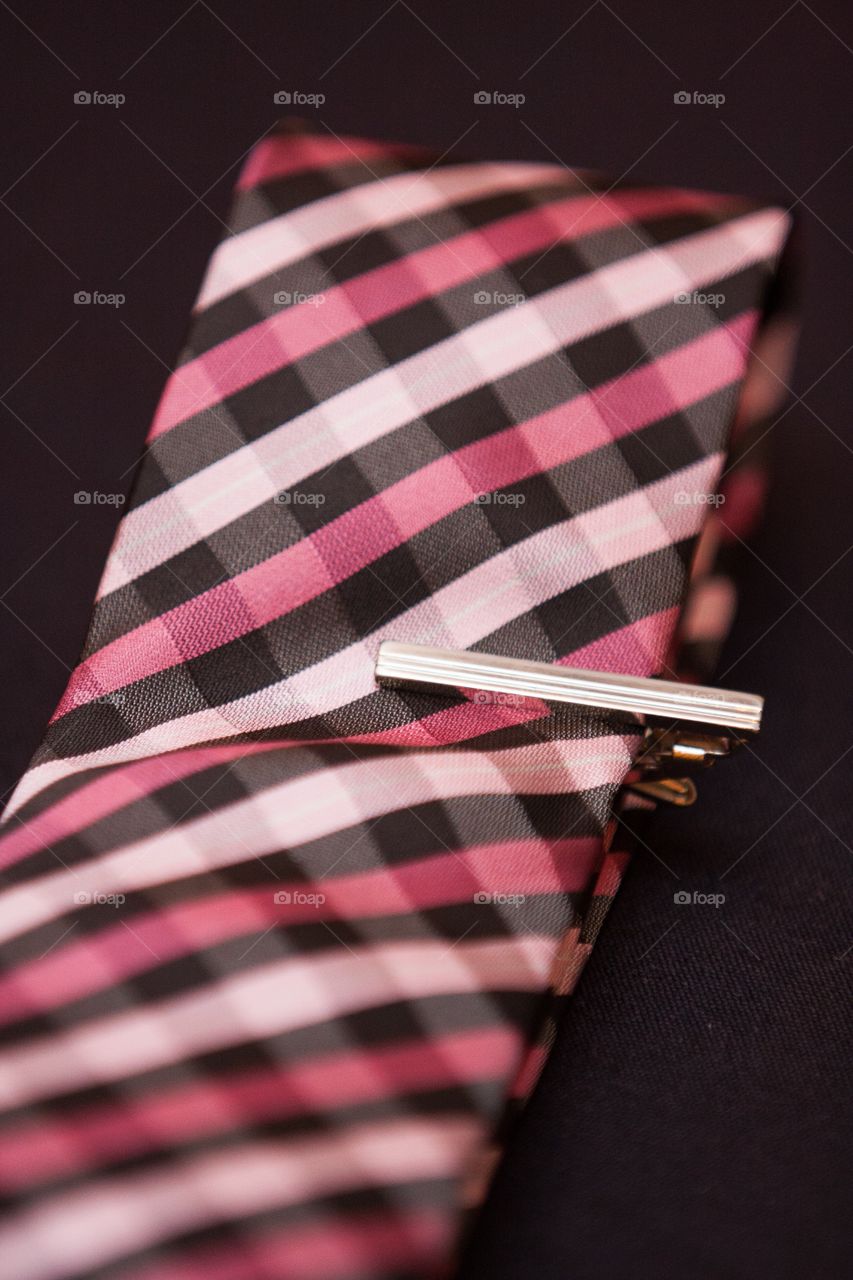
(315,564)
(279,241)
(526,867)
(316,805)
(249,1004)
(385,401)
(293,333)
(117,788)
(78,1231)
(458,616)
(41,1151)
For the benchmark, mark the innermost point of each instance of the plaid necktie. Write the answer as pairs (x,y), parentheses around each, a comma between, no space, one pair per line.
(276,943)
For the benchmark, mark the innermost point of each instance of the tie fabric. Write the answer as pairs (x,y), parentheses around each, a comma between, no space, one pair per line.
(281,950)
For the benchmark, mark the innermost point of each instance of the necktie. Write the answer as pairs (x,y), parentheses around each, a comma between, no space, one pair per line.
(281,948)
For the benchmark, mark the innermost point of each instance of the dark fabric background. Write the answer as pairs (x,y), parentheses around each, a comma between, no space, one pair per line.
(693,1120)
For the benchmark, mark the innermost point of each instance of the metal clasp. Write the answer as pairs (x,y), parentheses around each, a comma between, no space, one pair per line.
(667,747)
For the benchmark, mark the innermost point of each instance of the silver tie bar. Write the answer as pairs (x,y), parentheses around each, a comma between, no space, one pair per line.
(453,669)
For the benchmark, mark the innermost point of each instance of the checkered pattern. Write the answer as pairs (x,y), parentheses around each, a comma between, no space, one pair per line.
(275,943)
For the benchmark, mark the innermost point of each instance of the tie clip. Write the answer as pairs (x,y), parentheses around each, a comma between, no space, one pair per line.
(452,671)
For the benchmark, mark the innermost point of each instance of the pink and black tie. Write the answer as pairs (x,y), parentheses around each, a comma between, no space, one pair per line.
(281,950)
